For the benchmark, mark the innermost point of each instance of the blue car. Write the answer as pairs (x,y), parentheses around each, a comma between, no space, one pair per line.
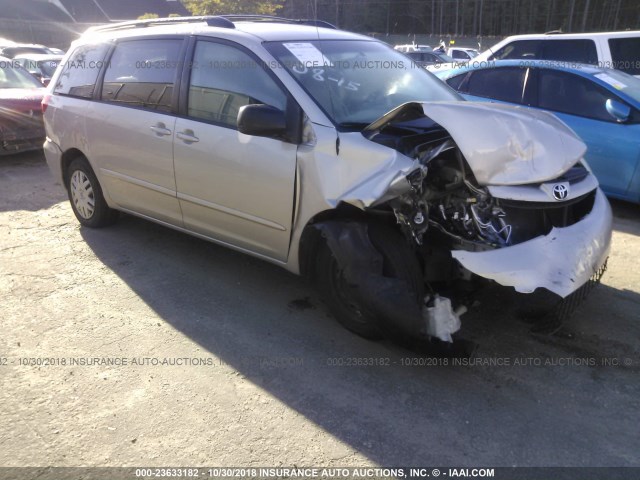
(601,105)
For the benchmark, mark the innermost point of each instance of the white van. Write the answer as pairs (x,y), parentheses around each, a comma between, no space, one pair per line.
(619,50)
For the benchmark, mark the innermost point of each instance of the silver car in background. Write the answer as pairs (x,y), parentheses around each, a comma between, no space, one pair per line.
(329,154)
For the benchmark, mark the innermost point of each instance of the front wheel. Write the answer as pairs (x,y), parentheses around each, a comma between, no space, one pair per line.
(85,195)
(399,261)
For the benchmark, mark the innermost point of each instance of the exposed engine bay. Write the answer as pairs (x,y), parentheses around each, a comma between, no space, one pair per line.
(446,196)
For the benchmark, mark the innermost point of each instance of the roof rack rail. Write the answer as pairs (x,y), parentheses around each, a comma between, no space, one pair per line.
(223,21)
(211,20)
(272,19)
(554,32)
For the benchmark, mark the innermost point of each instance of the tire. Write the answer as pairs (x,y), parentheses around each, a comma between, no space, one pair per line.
(399,262)
(85,196)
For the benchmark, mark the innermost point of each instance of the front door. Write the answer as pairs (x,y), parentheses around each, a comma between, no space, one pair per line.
(235,188)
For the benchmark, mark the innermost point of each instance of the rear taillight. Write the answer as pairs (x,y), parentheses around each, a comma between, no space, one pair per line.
(45,103)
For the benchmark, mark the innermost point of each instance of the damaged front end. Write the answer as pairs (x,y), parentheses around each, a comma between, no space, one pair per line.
(494,191)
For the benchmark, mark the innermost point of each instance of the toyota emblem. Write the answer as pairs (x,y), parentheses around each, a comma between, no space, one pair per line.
(560,191)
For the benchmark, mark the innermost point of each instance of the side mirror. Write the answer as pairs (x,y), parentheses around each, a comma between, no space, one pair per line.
(618,110)
(262,121)
(45,81)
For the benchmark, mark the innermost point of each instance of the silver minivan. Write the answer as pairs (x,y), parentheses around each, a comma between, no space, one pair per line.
(329,154)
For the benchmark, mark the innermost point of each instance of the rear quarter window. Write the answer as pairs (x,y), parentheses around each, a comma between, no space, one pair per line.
(142,73)
(527,49)
(79,74)
(578,51)
(625,54)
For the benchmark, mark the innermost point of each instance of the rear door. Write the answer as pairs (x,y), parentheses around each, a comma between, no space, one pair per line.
(235,188)
(130,129)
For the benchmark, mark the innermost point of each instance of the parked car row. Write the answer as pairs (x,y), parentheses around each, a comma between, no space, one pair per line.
(24,70)
(599,104)
(425,55)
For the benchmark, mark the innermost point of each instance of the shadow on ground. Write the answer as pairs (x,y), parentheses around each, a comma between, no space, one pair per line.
(248,312)
(41,193)
(627,216)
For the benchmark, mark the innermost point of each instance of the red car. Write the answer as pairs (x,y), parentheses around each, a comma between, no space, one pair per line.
(21,127)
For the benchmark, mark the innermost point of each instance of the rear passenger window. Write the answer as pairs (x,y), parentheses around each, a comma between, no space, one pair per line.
(578,51)
(455,82)
(625,54)
(518,49)
(567,93)
(79,74)
(225,78)
(142,74)
(504,84)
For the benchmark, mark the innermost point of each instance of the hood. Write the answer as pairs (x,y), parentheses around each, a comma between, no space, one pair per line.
(503,144)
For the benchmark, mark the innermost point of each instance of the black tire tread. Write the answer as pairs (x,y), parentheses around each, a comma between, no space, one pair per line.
(398,257)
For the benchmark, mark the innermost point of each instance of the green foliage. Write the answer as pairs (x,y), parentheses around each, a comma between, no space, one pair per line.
(218,7)
(148,16)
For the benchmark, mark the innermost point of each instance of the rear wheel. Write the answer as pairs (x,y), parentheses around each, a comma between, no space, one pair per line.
(399,261)
(85,195)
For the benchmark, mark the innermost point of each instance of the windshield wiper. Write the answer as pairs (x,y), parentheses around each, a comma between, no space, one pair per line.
(352,125)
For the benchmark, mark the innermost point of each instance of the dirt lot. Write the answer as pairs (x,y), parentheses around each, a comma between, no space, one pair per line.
(256,382)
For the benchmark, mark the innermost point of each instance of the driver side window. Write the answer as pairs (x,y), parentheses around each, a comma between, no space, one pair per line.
(224,79)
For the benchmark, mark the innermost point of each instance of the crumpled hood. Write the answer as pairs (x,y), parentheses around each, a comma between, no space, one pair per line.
(508,145)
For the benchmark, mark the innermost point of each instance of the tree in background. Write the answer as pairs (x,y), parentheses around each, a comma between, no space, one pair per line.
(215,7)
(148,16)
(469,17)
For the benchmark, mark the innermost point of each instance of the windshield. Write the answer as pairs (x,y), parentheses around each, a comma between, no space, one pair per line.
(356,82)
(16,77)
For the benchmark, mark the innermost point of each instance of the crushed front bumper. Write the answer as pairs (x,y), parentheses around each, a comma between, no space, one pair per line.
(561,261)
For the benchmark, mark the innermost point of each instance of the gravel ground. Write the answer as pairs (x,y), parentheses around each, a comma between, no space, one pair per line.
(256,383)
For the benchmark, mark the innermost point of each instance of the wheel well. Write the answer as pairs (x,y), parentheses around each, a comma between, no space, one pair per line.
(311,238)
(68,157)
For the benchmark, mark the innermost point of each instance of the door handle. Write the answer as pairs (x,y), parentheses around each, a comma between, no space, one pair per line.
(160,129)
(188,136)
